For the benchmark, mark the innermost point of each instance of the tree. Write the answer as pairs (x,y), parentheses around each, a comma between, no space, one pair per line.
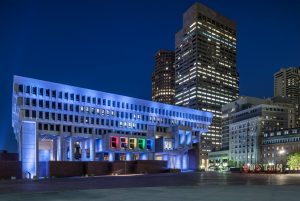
(232,163)
(293,161)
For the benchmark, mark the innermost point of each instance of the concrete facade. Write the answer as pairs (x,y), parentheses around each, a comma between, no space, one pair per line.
(57,122)
(277,145)
(248,119)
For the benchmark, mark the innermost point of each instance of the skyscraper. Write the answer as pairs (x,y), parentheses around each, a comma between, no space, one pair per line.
(205,66)
(163,77)
(287,85)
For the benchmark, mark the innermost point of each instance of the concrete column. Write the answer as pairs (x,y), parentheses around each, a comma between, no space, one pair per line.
(59,149)
(63,155)
(30,149)
(92,149)
(128,156)
(63,148)
(71,148)
(20,145)
(111,156)
(83,151)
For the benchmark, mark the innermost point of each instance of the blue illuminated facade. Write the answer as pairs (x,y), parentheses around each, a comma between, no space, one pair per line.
(60,122)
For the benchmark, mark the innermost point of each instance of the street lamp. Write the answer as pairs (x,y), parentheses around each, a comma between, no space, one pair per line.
(125,148)
(281,152)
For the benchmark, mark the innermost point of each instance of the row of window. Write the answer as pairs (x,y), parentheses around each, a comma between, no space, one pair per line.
(42,115)
(284,140)
(85,120)
(280,148)
(105,102)
(249,151)
(91,110)
(285,132)
(85,130)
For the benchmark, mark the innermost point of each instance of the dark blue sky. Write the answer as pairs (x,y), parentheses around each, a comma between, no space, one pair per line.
(109,45)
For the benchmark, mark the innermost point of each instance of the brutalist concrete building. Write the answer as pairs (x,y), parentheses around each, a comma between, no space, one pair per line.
(58,122)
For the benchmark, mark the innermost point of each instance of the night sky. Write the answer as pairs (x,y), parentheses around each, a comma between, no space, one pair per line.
(110,45)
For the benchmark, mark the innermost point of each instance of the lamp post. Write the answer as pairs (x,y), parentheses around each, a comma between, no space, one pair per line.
(281,153)
(125,148)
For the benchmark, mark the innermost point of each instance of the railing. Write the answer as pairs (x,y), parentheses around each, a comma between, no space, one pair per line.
(29,174)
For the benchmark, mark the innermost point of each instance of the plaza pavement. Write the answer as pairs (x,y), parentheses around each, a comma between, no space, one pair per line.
(203,186)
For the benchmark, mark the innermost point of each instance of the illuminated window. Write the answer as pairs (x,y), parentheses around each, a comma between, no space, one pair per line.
(149,144)
(141,144)
(132,143)
(123,141)
(114,142)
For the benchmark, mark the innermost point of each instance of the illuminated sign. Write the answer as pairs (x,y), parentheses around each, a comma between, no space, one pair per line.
(142,144)
(113,142)
(132,143)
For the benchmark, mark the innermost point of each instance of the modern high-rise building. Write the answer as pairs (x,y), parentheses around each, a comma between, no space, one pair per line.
(287,85)
(205,66)
(57,122)
(163,77)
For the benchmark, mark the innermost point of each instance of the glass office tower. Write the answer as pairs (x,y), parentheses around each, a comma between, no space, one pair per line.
(205,66)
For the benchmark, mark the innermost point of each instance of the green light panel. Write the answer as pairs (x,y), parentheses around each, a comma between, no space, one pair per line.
(142,144)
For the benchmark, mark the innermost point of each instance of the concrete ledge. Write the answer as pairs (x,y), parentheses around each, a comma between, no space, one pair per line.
(66,168)
(50,169)
(96,168)
(9,169)
(118,167)
(150,166)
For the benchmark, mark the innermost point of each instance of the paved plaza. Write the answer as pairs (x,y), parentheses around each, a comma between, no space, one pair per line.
(187,186)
